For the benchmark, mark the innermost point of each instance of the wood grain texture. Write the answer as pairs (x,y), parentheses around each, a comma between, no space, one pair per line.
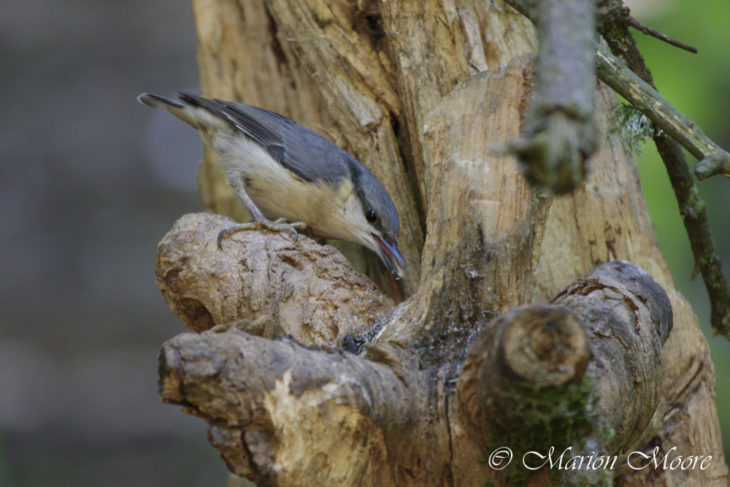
(422,93)
(263,283)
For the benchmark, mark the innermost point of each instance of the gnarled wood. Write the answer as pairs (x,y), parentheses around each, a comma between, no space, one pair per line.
(265,283)
(427,128)
(287,414)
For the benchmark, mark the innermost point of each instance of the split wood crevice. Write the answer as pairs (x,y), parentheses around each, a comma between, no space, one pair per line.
(284,398)
(309,375)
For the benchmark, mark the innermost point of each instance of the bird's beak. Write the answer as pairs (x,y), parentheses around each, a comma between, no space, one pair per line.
(390,255)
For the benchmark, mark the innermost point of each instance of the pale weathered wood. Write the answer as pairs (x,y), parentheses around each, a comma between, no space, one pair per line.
(307,62)
(395,83)
(562,375)
(288,414)
(536,348)
(279,285)
(605,220)
(285,414)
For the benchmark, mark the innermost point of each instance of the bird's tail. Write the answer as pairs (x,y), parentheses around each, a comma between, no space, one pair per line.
(199,112)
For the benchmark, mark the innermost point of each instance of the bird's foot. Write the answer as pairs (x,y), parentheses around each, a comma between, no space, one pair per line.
(279,225)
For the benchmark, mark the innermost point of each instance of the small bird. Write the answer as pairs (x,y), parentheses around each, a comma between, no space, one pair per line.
(285,172)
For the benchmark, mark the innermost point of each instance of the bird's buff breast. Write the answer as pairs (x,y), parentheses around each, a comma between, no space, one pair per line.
(280,193)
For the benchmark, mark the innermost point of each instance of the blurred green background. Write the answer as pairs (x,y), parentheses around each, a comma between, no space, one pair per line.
(699,86)
(90,181)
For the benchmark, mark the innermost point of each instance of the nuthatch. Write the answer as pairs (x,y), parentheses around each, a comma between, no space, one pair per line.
(283,170)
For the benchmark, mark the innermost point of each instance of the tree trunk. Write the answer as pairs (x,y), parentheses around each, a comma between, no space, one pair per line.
(367,392)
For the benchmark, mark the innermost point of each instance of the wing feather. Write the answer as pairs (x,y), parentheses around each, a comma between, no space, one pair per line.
(301,150)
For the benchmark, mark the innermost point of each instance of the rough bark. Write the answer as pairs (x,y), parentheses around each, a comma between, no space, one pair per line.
(387,411)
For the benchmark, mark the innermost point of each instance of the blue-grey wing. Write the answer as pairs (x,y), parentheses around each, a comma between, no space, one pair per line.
(304,152)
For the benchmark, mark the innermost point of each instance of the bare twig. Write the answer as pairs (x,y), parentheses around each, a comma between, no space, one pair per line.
(615,11)
(691,206)
(655,33)
(675,126)
(648,101)
(716,163)
(713,159)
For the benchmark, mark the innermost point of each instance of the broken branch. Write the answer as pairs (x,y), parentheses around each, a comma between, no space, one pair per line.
(713,159)
(287,414)
(559,133)
(691,206)
(638,89)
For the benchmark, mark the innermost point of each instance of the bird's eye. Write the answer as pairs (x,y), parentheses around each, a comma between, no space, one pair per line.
(371,216)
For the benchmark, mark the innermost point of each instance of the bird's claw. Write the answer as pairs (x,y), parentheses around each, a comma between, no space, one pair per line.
(279,225)
(282,225)
(228,231)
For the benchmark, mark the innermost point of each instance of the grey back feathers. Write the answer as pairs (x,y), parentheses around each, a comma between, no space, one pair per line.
(302,151)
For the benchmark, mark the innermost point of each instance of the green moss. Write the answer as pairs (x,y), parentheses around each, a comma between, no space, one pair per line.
(554,417)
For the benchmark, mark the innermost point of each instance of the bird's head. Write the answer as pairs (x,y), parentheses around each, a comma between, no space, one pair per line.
(374,220)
